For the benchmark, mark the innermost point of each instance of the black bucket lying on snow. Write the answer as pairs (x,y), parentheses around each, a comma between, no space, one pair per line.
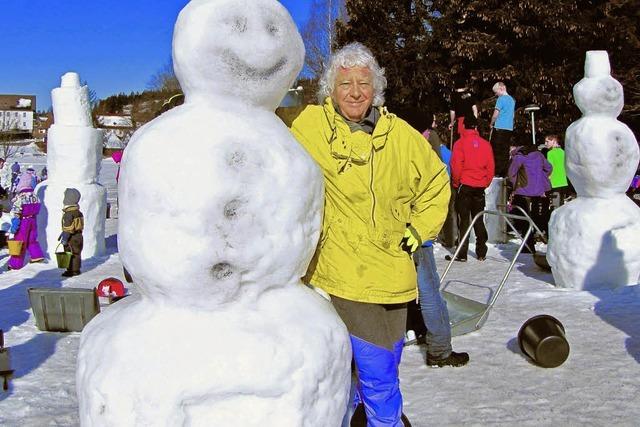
(542,339)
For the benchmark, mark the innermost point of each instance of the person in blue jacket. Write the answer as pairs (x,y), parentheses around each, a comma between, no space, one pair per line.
(432,306)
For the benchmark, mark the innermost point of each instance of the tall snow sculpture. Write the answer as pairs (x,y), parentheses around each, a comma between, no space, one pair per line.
(74,152)
(593,240)
(220,213)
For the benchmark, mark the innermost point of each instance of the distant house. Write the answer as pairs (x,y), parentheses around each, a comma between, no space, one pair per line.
(16,113)
(117,130)
(41,124)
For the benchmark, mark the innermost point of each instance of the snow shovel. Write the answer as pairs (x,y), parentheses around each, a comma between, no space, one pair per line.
(467,315)
(5,363)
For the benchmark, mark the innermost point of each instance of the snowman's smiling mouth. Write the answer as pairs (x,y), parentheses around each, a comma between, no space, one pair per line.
(241,68)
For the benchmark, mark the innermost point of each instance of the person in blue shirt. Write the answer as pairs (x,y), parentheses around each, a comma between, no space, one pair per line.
(432,306)
(502,128)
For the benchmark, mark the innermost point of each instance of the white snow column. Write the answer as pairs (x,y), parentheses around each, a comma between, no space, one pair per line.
(593,240)
(496,226)
(220,214)
(74,152)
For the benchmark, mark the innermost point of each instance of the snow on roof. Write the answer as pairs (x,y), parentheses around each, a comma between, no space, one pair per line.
(23,103)
(115,121)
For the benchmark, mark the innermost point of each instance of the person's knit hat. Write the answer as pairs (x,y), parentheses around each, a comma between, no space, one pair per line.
(71,197)
(25,182)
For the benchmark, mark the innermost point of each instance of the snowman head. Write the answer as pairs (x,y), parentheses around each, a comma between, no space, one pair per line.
(236,51)
(598,92)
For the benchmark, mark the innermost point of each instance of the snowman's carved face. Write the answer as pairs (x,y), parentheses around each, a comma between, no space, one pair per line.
(242,49)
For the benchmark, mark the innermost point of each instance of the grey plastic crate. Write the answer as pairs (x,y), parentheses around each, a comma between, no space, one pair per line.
(63,309)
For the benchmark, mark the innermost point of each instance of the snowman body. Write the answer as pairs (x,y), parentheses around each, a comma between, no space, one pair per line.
(593,239)
(220,213)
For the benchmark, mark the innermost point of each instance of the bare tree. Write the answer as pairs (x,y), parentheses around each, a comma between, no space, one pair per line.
(318,33)
(7,149)
(10,137)
(165,79)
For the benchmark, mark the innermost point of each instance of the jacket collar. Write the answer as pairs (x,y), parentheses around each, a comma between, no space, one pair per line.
(355,147)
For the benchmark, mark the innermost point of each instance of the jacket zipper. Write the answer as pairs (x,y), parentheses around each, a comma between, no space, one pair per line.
(373,195)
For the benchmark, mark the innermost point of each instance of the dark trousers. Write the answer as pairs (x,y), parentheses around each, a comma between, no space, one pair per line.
(540,213)
(470,201)
(74,245)
(500,143)
(449,233)
(526,203)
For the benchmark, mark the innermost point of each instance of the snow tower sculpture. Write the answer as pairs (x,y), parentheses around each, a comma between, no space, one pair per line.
(593,240)
(74,153)
(220,212)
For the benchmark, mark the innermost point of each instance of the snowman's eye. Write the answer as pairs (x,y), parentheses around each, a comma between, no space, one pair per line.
(272,29)
(240,24)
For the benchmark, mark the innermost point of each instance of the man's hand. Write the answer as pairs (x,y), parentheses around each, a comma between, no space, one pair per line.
(411,241)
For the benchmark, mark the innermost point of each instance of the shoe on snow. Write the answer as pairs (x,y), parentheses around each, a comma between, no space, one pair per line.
(454,359)
(459,259)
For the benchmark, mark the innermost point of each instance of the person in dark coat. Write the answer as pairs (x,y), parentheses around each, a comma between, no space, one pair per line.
(529,173)
(463,108)
(72,226)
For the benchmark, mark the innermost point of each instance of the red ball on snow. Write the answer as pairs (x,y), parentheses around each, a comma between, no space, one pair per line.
(110,287)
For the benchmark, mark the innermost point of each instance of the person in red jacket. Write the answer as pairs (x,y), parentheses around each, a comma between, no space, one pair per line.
(472,168)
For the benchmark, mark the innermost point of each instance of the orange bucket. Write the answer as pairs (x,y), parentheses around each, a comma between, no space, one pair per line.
(15,247)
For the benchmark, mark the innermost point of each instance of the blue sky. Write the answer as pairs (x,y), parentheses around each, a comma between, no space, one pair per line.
(115,45)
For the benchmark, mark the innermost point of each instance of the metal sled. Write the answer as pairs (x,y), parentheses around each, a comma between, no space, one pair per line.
(467,315)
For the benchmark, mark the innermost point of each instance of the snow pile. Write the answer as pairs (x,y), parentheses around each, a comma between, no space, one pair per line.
(593,240)
(223,331)
(73,161)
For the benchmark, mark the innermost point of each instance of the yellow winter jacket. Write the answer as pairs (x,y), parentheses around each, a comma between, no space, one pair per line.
(375,185)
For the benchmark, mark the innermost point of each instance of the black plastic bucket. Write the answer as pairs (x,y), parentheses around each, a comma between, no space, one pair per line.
(542,339)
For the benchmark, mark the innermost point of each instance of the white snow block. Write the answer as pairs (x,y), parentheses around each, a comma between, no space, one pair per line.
(93,205)
(283,361)
(496,226)
(594,243)
(71,106)
(74,154)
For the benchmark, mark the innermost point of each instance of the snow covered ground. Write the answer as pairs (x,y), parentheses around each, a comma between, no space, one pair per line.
(598,385)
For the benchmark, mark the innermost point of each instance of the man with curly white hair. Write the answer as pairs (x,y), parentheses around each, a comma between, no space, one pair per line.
(386,191)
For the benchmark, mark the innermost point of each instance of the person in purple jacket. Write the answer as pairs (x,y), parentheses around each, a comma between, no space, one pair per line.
(23,223)
(529,173)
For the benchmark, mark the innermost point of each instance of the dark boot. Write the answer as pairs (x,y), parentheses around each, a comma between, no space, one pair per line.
(454,359)
(359,418)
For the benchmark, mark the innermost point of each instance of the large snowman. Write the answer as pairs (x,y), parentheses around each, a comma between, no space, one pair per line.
(593,240)
(220,212)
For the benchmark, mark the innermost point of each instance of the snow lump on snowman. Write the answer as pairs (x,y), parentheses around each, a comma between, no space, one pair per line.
(220,212)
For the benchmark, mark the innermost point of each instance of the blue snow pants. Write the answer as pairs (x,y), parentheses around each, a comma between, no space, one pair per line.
(377,338)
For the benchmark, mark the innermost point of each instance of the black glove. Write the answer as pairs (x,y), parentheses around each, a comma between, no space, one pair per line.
(411,240)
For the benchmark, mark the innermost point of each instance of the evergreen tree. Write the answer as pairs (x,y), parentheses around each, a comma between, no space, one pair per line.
(536,47)
(397,33)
